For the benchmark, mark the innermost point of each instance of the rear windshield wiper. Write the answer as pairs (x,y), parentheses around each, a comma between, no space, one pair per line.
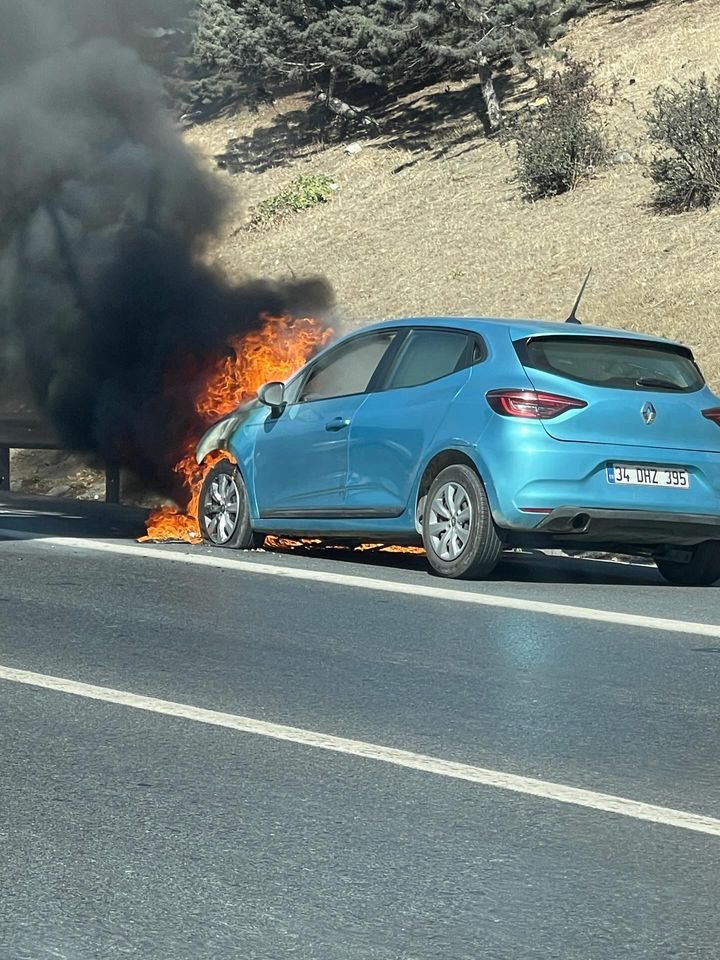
(659,383)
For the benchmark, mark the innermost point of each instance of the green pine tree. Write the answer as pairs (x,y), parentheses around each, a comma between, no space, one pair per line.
(341,44)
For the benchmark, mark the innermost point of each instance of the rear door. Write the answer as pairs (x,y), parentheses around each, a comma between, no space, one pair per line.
(398,420)
(638,393)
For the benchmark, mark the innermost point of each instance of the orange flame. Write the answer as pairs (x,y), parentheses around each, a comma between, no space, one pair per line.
(289,543)
(220,385)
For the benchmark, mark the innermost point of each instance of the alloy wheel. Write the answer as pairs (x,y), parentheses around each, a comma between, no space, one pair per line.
(450,521)
(221,508)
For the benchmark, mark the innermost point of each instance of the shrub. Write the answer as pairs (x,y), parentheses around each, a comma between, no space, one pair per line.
(686,123)
(302,192)
(561,142)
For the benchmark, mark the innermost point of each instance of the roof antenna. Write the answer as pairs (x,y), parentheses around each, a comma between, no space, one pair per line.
(572,318)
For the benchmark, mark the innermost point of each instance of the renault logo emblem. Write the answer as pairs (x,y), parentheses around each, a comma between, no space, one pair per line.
(648,413)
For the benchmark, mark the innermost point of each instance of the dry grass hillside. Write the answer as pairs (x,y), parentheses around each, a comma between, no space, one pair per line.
(427,219)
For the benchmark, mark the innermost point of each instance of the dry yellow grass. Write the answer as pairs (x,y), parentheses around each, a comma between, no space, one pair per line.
(452,235)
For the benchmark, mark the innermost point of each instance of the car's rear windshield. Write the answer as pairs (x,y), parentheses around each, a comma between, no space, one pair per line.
(617,362)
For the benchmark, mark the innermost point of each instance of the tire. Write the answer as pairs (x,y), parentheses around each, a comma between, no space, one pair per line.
(701,570)
(457,502)
(223,511)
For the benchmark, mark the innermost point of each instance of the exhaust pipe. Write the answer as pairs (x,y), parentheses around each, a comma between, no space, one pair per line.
(580,522)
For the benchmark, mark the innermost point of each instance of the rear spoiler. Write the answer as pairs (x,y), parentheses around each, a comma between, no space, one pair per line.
(666,345)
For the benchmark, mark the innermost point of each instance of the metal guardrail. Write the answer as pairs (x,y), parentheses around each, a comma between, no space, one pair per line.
(18,434)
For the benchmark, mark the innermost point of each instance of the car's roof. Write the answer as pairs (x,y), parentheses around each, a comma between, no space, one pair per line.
(518,327)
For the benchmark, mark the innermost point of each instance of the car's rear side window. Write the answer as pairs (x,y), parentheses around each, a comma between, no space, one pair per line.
(427,355)
(617,362)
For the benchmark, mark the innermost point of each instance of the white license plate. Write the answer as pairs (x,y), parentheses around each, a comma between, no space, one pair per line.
(632,474)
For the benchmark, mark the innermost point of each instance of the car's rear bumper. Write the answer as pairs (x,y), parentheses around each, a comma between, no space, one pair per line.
(637,527)
(537,478)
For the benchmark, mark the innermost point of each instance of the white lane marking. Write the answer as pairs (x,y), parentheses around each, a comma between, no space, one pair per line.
(384,586)
(543,789)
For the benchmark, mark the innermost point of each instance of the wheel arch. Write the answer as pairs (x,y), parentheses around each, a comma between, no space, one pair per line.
(219,437)
(233,437)
(449,457)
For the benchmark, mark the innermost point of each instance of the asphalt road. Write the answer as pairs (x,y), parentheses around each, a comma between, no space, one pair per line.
(136,834)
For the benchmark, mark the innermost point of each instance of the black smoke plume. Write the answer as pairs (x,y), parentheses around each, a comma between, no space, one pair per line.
(104,215)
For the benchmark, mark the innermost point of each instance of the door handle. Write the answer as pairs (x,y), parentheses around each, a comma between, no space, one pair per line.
(339,423)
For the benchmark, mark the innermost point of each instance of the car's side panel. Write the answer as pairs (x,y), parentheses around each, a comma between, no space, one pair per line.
(363,530)
(241,446)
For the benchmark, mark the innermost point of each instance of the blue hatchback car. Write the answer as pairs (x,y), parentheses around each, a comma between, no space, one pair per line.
(469,436)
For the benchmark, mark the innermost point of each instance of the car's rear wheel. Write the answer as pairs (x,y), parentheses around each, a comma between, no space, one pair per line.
(700,569)
(224,513)
(460,537)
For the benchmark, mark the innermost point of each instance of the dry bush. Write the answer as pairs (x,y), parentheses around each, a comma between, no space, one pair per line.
(685,121)
(562,142)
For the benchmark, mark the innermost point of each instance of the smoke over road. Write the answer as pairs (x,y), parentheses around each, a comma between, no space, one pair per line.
(104,214)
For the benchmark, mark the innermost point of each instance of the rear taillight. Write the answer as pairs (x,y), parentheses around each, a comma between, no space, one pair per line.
(531,405)
(713,414)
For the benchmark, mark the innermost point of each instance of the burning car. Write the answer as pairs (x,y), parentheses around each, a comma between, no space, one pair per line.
(468,436)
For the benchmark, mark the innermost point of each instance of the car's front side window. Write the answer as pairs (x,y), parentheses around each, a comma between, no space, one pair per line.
(348,369)
(428,355)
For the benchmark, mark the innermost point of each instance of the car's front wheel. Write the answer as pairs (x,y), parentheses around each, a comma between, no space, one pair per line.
(701,568)
(224,513)
(460,537)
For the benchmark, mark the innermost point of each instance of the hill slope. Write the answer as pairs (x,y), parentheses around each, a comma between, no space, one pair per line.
(429,221)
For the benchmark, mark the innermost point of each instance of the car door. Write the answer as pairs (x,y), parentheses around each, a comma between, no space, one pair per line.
(301,455)
(394,427)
